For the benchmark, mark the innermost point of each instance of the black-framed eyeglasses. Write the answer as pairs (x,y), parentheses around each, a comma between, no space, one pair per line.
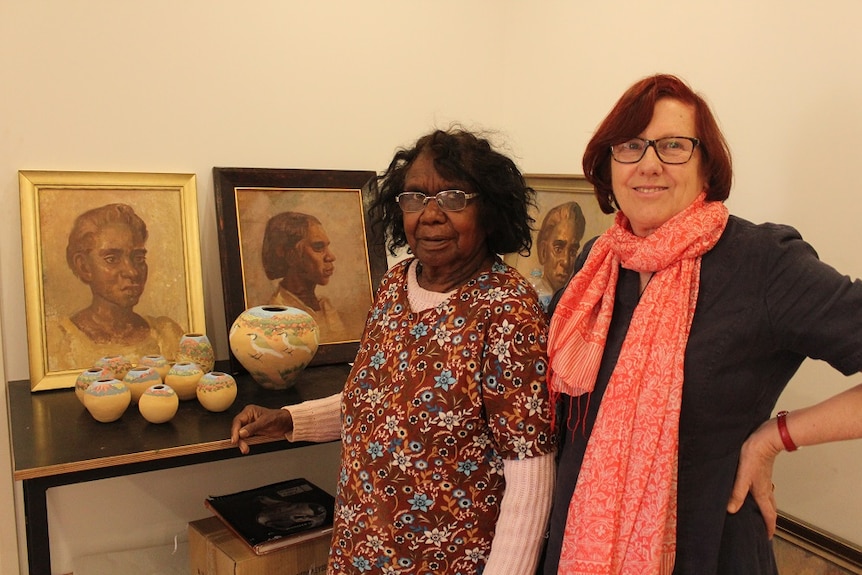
(672,150)
(447,200)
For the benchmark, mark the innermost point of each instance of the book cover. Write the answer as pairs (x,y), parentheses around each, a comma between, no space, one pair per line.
(274,516)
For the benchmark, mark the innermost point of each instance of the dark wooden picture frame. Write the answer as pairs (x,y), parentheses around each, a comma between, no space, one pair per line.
(248,198)
(171,298)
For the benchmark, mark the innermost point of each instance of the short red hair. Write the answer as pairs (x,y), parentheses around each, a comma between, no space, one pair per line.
(631,115)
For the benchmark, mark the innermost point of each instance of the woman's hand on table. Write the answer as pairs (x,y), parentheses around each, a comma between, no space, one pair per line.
(255,420)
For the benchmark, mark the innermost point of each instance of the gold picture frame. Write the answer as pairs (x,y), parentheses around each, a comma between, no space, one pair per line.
(555,191)
(58,296)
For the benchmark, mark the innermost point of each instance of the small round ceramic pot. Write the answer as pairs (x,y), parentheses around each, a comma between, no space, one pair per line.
(157,362)
(138,379)
(118,364)
(88,376)
(216,391)
(107,399)
(196,347)
(183,378)
(159,403)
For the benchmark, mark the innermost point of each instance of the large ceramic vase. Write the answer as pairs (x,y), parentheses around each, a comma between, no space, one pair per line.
(183,378)
(274,343)
(159,403)
(107,399)
(196,347)
(216,391)
(139,378)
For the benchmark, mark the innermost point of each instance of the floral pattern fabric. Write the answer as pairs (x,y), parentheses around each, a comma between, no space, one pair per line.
(435,401)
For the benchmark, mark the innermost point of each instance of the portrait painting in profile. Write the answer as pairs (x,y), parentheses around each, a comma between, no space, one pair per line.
(567,216)
(117,271)
(302,239)
(298,254)
(305,249)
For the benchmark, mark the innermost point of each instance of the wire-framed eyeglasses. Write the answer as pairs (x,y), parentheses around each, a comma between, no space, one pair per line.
(672,150)
(447,200)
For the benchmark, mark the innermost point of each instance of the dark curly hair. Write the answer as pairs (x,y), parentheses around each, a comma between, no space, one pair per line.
(631,115)
(505,199)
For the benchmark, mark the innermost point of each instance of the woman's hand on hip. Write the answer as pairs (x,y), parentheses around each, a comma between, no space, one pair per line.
(754,474)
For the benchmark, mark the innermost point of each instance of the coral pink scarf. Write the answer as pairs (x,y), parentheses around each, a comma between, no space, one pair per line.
(622,517)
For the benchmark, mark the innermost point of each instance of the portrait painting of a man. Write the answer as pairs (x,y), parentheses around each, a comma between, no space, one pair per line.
(567,216)
(558,243)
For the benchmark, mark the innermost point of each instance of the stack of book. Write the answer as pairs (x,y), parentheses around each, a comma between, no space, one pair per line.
(275,516)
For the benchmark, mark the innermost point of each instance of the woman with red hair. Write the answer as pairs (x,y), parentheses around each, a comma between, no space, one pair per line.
(669,348)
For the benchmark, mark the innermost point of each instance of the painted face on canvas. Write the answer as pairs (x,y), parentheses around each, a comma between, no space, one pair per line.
(558,253)
(115,267)
(315,261)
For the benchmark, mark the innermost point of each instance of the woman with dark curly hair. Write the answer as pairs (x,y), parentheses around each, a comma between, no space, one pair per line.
(447,457)
(460,155)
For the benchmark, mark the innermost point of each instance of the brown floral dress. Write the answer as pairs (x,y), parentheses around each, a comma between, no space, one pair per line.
(435,401)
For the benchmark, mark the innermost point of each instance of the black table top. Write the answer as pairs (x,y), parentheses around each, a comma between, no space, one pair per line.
(52,432)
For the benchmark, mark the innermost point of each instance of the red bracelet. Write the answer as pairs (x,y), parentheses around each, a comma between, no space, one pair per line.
(782,431)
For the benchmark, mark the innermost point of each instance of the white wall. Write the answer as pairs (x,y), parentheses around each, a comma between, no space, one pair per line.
(168,86)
